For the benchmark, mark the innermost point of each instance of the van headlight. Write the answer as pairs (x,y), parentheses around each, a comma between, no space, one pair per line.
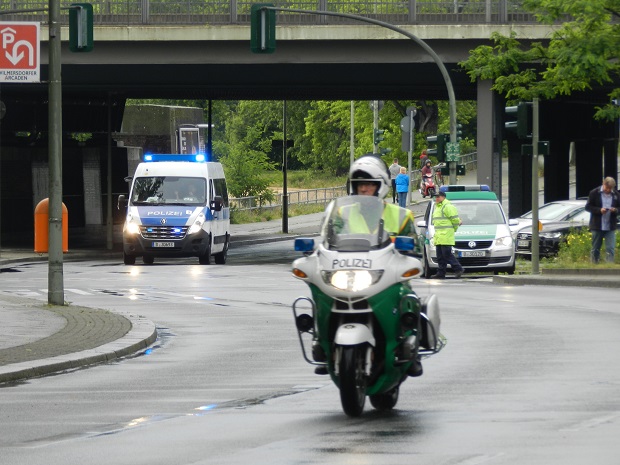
(197,226)
(351,280)
(132,227)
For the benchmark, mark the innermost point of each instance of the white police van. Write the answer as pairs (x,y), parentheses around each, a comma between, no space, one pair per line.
(177,207)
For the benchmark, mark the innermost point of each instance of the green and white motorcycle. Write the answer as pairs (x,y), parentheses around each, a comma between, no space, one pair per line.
(364,325)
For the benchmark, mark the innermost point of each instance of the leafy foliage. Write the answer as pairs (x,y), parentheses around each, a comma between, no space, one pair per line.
(582,52)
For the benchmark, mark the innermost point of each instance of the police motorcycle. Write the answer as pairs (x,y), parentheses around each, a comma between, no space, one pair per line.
(364,325)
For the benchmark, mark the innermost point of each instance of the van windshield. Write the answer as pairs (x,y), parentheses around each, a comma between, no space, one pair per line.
(168,190)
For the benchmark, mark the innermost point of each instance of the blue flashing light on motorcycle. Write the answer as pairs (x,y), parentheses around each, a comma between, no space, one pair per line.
(364,325)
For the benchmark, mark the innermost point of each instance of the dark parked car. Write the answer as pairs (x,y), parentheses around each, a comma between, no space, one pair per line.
(551,236)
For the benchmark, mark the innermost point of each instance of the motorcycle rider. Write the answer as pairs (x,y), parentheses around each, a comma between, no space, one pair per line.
(369,175)
(427,172)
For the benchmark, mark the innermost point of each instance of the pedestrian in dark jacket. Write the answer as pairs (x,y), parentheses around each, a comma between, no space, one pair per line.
(603,204)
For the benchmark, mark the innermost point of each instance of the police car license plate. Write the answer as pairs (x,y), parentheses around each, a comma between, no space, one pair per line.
(472,253)
(163,244)
(524,244)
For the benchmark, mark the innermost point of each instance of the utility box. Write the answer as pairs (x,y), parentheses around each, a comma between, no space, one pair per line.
(41,227)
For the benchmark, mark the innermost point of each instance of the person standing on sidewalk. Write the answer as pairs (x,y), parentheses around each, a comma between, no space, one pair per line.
(603,204)
(394,171)
(446,221)
(402,187)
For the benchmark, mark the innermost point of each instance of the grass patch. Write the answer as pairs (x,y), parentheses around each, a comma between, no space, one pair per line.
(268,214)
(304,179)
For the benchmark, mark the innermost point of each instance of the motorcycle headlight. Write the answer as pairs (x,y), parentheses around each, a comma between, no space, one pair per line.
(505,241)
(197,226)
(351,280)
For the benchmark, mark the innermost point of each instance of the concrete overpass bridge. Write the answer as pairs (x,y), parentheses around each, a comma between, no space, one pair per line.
(192,49)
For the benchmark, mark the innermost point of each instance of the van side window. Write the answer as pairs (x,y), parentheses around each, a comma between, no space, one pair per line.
(220,189)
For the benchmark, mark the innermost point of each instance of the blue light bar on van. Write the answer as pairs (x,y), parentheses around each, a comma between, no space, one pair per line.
(467,187)
(194,157)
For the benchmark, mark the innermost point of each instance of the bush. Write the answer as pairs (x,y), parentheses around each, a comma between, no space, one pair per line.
(575,250)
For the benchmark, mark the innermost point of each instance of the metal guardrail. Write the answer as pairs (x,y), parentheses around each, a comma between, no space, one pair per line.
(297,197)
(222,12)
(326,194)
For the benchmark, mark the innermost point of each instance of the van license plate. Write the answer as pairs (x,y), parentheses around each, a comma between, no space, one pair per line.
(472,253)
(163,244)
(524,244)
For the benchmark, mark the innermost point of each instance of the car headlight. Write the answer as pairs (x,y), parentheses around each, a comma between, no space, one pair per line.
(505,241)
(197,226)
(550,235)
(351,280)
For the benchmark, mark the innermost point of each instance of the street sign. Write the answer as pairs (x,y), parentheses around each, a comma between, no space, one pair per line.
(453,151)
(20,52)
(405,124)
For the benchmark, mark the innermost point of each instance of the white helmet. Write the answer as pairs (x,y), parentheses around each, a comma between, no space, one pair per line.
(370,168)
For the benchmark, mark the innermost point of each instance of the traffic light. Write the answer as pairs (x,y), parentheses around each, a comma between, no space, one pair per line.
(81,27)
(440,150)
(523,124)
(378,136)
(459,132)
(262,28)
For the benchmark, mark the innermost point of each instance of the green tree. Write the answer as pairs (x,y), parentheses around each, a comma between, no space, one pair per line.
(582,52)
(249,131)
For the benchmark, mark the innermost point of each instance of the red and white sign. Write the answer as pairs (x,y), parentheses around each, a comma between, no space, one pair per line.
(19,52)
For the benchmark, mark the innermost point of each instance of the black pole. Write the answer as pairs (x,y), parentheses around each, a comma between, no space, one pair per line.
(210,131)
(284,187)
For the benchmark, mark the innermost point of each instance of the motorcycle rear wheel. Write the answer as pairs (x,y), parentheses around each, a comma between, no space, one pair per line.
(386,400)
(353,380)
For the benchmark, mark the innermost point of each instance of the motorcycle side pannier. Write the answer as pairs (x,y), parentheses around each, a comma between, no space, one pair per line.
(430,335)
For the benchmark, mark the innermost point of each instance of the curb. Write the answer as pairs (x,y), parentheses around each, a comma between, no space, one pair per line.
(142,334)
(566,280)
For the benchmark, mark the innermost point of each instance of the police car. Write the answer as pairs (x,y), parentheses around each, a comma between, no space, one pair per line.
(483,242)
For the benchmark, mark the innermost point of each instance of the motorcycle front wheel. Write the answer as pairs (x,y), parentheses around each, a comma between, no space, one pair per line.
(385,401)
(353,380)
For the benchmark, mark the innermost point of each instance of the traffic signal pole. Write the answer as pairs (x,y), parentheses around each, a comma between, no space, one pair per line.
(535,235)
(55,286)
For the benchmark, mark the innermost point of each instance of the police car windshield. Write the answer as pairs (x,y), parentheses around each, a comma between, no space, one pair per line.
(479,213)
(168,190)
(355,224)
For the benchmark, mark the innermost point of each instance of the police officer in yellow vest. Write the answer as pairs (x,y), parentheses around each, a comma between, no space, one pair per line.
(369,176)
(446,221)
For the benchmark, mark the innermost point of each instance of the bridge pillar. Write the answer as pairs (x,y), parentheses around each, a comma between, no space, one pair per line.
(489,140)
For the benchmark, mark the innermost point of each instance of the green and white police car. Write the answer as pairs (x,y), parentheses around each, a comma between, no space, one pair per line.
(483,242)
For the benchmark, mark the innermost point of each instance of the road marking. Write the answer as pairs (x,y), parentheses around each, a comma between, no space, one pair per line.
(592,423)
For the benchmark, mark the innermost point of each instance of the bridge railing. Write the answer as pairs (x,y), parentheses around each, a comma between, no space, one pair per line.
(321,196)
(223,12)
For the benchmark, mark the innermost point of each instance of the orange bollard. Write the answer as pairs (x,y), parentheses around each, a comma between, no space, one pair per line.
(41,227)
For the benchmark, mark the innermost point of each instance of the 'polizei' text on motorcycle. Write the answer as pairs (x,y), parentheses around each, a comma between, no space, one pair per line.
(364,325)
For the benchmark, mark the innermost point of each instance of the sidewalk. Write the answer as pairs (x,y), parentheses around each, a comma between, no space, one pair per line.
(37,339)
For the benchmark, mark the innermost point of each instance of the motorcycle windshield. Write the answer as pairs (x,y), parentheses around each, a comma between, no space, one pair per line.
(355,224)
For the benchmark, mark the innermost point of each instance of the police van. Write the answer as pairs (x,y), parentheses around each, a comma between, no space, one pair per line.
(177,207)
(483,242)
